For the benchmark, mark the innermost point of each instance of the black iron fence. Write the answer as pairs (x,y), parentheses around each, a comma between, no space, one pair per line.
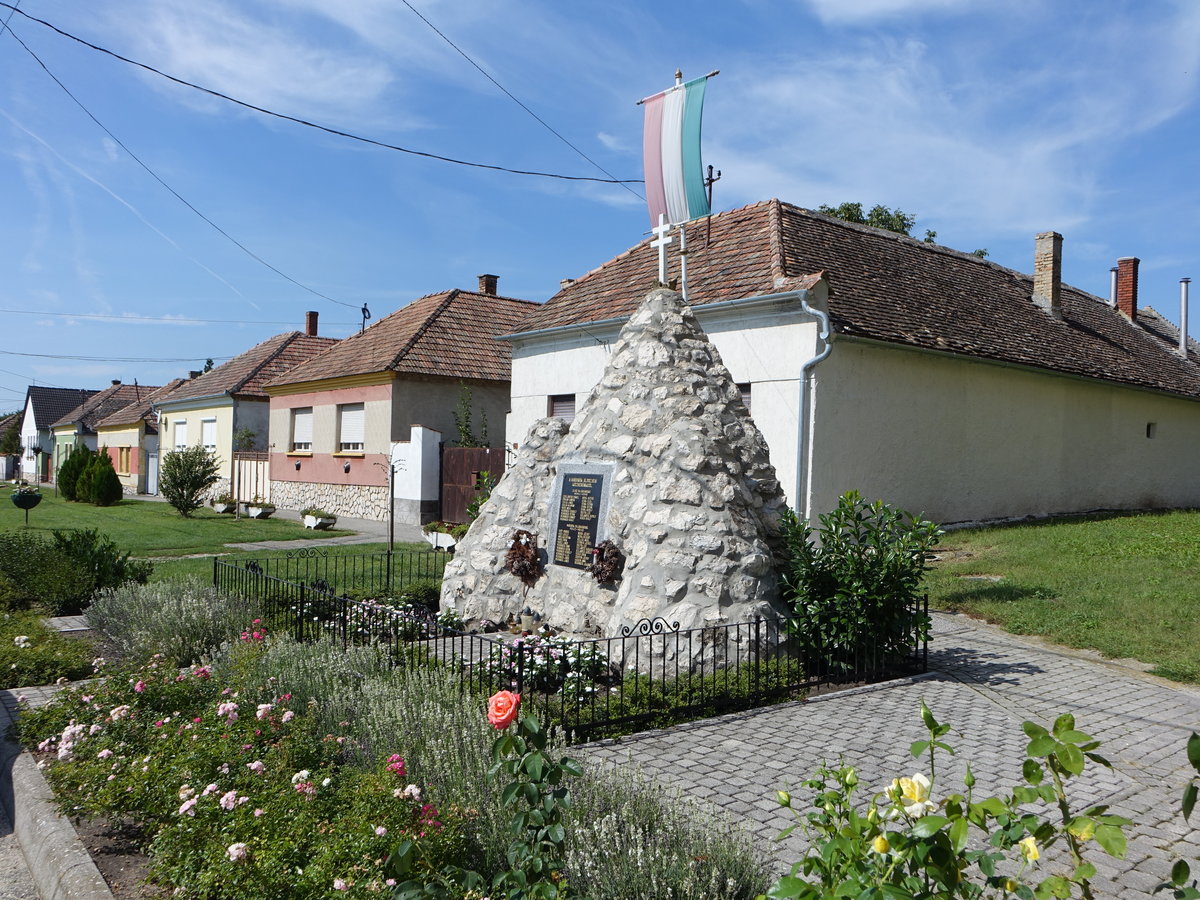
(652,674)
(356,575)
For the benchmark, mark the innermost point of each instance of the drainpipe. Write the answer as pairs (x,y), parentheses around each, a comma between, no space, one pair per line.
(804,432)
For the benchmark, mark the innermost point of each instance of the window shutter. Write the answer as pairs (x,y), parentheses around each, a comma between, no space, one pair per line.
(181,434)
(562,406)
(208,434)
(302,428)
(353,426)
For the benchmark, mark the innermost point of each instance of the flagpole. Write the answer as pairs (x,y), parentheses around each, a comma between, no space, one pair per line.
(678,83)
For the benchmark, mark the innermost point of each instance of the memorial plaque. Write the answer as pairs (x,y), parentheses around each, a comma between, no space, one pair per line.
(577,519)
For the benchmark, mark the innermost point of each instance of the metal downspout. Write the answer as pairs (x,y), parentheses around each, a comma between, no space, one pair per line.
(804,438)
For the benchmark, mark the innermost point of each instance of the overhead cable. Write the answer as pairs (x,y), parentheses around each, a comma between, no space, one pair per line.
(148,359)
(157,178)
(509,94)
(160,320)
(334,131)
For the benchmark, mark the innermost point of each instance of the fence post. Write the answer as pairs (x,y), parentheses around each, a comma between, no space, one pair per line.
(215,572)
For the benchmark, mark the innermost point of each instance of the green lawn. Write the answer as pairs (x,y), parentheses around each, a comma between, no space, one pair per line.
(1126,585)
(147,528)
(173,569)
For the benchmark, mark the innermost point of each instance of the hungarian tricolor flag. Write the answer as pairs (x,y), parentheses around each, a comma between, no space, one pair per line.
(671,149)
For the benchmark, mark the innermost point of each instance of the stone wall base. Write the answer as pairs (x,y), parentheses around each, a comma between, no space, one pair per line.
(354,501)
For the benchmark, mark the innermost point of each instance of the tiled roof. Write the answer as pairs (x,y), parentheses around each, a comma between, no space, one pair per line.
(9,421)
(892,288)
(50,404)
(244,375)
(141,409)
(451,334)
(103,404)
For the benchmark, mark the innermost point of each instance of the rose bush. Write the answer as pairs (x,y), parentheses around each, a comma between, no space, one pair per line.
(502,709)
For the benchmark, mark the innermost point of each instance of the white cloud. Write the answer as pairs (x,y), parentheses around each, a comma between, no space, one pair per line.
(858,11)
(612,142)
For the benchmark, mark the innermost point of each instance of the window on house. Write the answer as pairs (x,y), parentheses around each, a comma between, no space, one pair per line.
(562,406)
(181,434)
(745,389)
(351,426)
(123,460)
(302,428)
(208,434)
(1151,429)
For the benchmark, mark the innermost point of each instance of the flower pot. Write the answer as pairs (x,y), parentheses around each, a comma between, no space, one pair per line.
(315,522)
(439,540)
(26,501)
(526,623)
(259,512)
(224,507)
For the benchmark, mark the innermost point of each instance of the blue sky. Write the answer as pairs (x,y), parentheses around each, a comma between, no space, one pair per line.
(991,121)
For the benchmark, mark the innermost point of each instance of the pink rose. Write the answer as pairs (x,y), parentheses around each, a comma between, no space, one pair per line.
(502,709)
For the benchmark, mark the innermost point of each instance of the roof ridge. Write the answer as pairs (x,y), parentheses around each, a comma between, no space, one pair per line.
(775,236)
(288,337)
(425,326)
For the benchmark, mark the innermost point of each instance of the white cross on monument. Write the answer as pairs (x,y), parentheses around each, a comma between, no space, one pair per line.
(661,232)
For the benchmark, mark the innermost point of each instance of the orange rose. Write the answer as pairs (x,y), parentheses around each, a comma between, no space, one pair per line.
(502,708)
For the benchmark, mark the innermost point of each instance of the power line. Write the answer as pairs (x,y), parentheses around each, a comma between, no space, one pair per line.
(509,94)
(157,178)
(334,131)
(161,320)
(114,358)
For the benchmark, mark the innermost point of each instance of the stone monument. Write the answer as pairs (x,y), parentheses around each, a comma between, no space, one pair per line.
(663,471)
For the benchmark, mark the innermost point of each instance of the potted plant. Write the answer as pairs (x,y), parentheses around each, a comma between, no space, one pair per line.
(315,517)
(224,503)
(26,497)
(438,535)
(258,508)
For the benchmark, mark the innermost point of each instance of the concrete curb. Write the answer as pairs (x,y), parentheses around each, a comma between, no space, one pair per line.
(57,860)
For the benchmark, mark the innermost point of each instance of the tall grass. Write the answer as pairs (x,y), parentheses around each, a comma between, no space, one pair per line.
(183,620)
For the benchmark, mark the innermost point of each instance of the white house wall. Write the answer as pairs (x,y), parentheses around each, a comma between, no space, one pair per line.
(765,347)
(963,441)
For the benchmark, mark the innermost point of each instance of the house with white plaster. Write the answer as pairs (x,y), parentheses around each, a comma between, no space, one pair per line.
(385,399)
(43,407)
(932,379)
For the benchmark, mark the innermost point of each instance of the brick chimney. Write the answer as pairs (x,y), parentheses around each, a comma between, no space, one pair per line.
(487,284)
(310,323)
(1047,272)
(116,381)
(1127,286)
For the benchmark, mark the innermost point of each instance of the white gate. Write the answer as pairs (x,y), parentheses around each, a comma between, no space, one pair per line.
(251,476)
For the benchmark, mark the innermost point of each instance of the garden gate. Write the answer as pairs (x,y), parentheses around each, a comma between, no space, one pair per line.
(462,477)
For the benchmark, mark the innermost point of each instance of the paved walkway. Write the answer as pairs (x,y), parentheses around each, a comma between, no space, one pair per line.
(984,683)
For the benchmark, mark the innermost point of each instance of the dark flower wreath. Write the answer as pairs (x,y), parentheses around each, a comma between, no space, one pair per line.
(607,562)
(522,557)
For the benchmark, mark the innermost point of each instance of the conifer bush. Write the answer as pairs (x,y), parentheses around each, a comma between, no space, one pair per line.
(106,487)
(70,470)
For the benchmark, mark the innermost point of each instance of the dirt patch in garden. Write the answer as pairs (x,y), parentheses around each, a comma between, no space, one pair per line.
(115,848)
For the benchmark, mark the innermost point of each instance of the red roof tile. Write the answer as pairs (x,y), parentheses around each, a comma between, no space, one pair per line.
(244,375)
(104,403)
(141,409)
(892,288)
(451,334)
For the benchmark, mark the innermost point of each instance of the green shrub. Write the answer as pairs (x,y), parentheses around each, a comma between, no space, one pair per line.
(38,571)
(425,592)
(84,490)
(106,487)
(72,467)
(856,587)
(186,474)
(101,558)
(32,654)
(185,620)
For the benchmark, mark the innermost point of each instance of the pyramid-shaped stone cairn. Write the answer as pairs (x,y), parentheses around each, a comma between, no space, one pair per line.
(662,460)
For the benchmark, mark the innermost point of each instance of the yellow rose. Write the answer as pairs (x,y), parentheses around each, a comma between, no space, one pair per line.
(914,795)
(881,845)
(1029,849)
(1010,884)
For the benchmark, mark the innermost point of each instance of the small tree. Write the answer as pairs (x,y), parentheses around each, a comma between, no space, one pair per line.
(87,475)
(10,441)
(70,470)
(462,420)
(106,486)
(243,439)
(186,475)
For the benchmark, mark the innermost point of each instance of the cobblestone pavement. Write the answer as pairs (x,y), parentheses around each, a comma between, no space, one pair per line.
(984,683)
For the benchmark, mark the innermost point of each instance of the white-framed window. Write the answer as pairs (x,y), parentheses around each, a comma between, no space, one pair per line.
(302,428)
(181,434)
(208,434)
(745,389)
(561,406)
(351,427)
